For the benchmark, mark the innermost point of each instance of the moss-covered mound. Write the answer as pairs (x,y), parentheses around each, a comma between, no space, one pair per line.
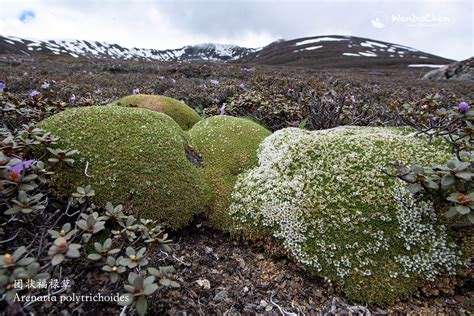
(185,116)
(228,146)
(135,156)
(324,195)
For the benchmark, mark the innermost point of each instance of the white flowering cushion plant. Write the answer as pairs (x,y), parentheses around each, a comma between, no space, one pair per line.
(325,196)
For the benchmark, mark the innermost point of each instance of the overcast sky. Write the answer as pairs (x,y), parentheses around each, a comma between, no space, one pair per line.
(441,27)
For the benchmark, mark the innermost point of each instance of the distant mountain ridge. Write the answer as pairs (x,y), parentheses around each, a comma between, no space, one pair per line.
(330,51)
(80,48)
(341,51)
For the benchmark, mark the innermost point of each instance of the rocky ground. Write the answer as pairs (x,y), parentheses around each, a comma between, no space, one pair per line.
(221,275)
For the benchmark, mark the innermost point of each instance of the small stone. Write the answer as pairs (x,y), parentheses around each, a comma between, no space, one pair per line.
(415,307)
(204,283)
(221,296)
(263,303)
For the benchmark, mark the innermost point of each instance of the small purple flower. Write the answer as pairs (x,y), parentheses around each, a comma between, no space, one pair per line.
(2,86)
(161,77)
(45,86)
(222,110)
(27,164)
(136,91)
(173,81)
(242,85)
(34,93)
(19,167)
(353,99)
(463,107)
(291,91)
(73,98)
(295,123)
(215,82)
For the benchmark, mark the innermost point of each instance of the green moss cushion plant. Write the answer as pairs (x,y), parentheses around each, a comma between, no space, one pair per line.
(228,146)
(185,116)
(135,157)
(324,196)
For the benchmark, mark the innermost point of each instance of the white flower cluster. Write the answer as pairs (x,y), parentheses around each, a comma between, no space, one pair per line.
(324,195)
(418,229)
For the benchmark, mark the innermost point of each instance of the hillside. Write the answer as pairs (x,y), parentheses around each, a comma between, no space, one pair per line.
(342,52)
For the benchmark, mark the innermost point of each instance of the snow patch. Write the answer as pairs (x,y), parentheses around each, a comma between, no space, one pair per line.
(350,54)
(320,39)
(372,44)
(307,48)
(425,65)
(368,54)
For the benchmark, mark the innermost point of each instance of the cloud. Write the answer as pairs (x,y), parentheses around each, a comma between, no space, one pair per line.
(163,24)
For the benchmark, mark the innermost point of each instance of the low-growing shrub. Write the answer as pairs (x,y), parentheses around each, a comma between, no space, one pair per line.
(452,183)
(229,147)
(52,249)
(326,196)
(135,157)
(178,111)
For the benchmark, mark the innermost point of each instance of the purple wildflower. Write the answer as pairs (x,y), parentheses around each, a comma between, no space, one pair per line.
(73,98)
(136,91)
(291,91)
(15,171)
(222,110)
(173,81)
(215,82)
(45,86)
(242,85)
(34,93)
(27,164)
(2,86)
(17,168)
(161,78)
(463,107)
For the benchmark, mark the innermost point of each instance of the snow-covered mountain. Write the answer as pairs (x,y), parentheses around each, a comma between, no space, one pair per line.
(335,51)
(331,51)
(79,48)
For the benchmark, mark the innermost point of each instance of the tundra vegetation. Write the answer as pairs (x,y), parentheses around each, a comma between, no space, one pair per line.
(364,180)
